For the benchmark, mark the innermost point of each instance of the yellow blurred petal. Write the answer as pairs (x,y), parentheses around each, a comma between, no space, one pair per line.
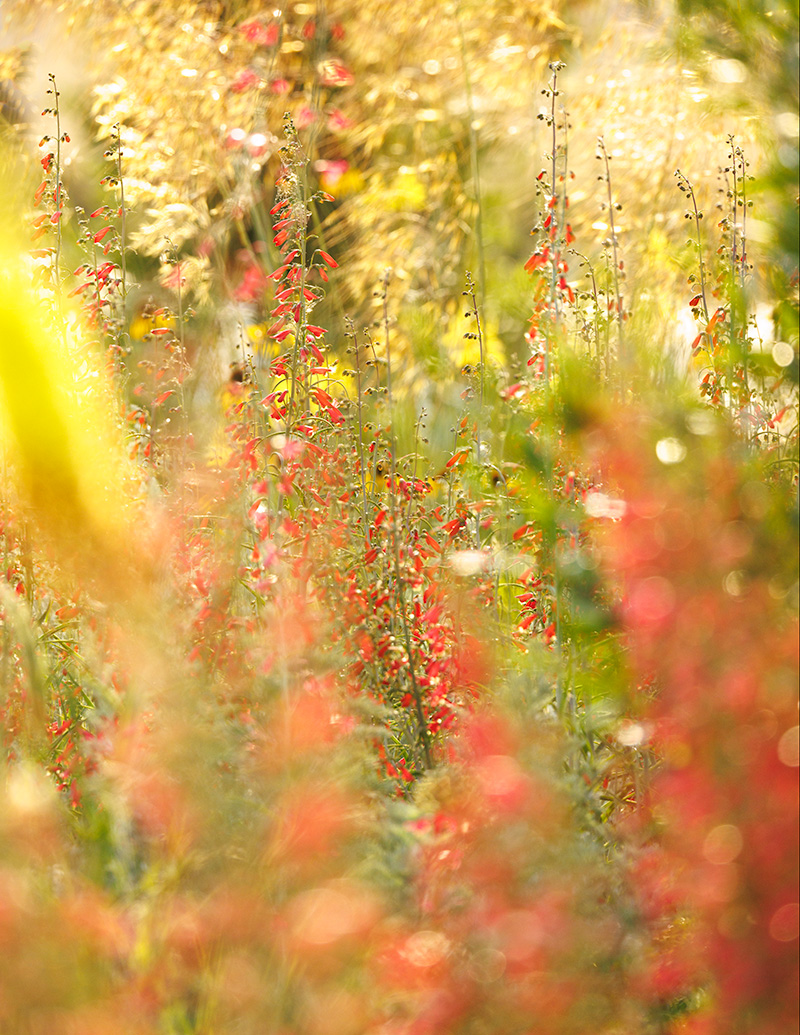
(63,453)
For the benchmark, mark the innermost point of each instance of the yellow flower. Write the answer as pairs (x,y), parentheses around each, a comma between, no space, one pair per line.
(146,321)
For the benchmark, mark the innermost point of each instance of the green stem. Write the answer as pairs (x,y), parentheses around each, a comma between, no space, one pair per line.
(359,412)
(478,446)
(473,157)
(399,582)
(123,214)
(58,195)
(613,235)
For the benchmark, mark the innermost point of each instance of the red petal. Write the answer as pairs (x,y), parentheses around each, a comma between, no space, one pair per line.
(329,260)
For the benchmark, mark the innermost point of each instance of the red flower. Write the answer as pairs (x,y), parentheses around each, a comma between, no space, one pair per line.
(245,80)
(262,35)
(334,73)
(252,285)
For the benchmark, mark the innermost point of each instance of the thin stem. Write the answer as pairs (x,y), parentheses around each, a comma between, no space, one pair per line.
(399,582)
(742,274)
(122,224)
(473,157)
(478,446)
(553,231)
(596,299)
(351,333)
(298,159)
(301,158)
(58,198)
(612,228)
(734,248)
(689,189)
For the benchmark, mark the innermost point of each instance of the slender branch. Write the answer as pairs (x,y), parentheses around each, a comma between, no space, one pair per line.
(399,582)
(613,235)
(473,156)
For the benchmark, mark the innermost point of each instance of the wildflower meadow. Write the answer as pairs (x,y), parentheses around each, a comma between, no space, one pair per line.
(399,517)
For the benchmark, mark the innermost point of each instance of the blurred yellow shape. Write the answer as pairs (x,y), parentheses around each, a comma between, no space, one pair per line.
(349,182)
(62,452)
(143,324)
(406,193)
(377,477)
